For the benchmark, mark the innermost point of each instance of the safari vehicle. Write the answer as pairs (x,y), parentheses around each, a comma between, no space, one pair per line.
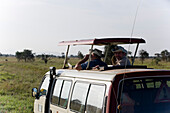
(121,89)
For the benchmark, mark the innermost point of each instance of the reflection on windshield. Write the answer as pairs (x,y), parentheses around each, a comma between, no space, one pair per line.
(149,95)
(45,83)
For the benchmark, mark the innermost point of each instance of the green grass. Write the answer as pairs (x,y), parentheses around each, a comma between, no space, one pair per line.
(18,78)
(15,104)
(150,63)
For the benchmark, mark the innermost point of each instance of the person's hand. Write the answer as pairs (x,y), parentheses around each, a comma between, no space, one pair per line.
(96,67)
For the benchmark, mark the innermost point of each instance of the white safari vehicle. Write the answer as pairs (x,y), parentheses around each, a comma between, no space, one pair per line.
(128,89)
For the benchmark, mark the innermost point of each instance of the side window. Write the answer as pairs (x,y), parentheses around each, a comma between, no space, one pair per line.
(45,83)
(56,92)
(65,93)
(61,93)
(79,97)
(95,99)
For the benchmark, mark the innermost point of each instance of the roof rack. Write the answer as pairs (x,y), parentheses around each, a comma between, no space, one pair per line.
(105,41)
(114,40)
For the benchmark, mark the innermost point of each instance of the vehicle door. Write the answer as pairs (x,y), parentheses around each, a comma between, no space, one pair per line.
(39,103)
(60,95)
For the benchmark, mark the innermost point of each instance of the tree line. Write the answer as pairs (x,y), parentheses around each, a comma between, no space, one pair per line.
(27,55)
(162,56)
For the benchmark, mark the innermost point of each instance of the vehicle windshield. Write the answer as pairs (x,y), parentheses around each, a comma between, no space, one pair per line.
(145,95)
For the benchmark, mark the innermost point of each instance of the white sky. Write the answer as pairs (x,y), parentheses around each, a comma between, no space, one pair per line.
(40,24)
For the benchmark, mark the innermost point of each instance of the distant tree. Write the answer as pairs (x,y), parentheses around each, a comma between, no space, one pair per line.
(143,54)
(80,55)
(45,58)
(39,56)
(158,58)
(72,56)
(26,55)
(62,55)
(158,55)
(168,57)
(19,55)
(108,51)
(165,55)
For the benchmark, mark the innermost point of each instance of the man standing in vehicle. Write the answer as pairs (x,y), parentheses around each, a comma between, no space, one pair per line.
(120,58)
(95,61)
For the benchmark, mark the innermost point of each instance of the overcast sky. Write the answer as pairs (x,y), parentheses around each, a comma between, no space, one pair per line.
(39,25)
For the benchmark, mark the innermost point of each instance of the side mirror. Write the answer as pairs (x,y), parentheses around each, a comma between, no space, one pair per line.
(34,92)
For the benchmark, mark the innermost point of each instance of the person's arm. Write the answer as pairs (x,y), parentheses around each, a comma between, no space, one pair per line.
(78,65)
(125,61)
(113,59)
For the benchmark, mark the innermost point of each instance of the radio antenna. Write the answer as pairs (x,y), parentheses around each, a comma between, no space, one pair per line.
(133,27)
(134,22)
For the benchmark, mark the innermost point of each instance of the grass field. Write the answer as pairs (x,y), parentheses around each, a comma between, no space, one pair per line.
(18,78)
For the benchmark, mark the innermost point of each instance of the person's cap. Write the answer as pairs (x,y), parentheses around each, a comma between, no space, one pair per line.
(97,52)
(119,49)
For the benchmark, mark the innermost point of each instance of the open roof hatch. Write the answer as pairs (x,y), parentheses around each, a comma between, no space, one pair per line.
(103,41)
